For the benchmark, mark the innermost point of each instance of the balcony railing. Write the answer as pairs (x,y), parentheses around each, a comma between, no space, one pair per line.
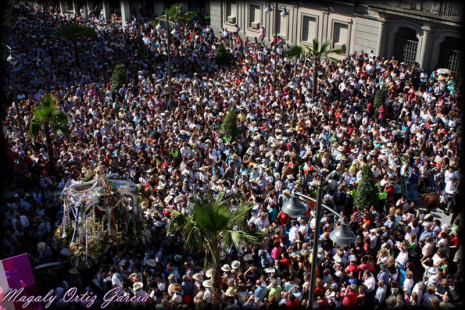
(444,9)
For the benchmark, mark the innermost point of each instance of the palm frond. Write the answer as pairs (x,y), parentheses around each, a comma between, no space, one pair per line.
(296,51)
(315,46)
(35,128)
(178,221)
(239,216)
(237,238)
(325,46)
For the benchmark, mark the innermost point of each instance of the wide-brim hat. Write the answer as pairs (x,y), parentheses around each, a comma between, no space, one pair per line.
(207,283)
(74,271)
(340,149)
(168,199)
(138,285)
(209,273)
(235,264)
(226,268)
(151,262)
(197,277)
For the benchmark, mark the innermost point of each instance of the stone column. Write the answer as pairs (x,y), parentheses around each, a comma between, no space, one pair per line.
(125,11)
(106,10)
(425,53)
(382,38)
(76,7)
(63,6)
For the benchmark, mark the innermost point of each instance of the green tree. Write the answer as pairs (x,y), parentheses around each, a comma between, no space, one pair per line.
(380,99)
(367,191)
(221,55)
(211,226)
(175,15)
(47,118)
(318,53)
(229,127)
(75,32)
(118,78)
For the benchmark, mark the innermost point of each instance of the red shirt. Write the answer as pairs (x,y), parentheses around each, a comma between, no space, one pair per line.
(350,299)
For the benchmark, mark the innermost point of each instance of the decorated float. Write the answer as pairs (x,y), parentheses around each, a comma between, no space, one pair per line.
(100,212)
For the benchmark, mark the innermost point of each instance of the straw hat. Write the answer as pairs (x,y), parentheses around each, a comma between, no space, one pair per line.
(209,273)
(226,268)
(176,288)
(235,264)
(168,199)
(197,277)
(207,283)
(151,262)
(137,286)
(74,271)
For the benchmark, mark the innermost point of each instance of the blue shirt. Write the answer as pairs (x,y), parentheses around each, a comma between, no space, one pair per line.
(260,292)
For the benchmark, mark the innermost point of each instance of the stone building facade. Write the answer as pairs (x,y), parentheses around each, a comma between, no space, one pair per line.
(427,32)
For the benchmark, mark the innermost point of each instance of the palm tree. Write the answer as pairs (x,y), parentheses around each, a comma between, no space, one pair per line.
(48,118)
(75,32)
(175,15)
(316,52)
(210,226)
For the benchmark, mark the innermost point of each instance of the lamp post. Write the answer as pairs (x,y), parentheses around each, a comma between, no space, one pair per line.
(284,13)
(13,60)
(175,33)
(341,236)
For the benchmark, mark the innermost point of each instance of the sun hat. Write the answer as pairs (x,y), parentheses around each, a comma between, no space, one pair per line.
(197,277)
(209,273)
(168,199)
(235,264)
(74,271)
(151,262)
(226,268)
(207,283)
(137,286)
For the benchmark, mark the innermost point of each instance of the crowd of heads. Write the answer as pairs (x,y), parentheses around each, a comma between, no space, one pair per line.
(402,257)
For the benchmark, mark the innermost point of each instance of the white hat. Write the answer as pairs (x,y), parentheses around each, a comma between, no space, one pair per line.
(290,177)
(137,286)
(226,268)
(151,262)
(235,264)
(168,199)
(209,273)
(207,283)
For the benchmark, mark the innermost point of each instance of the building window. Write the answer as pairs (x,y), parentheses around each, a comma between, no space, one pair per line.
(309,29)
(231,10)
(254,16)
(340,36)
(451,55)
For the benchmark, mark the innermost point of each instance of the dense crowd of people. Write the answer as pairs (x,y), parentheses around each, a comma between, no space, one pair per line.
(402,257)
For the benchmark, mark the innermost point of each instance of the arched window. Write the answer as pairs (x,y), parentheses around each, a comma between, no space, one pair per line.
(451,55)
(406,45)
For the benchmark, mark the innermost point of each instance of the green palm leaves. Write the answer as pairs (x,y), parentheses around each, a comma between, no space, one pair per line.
(211,225)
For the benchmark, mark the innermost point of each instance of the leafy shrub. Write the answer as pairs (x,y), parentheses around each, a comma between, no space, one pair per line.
(118,78)
(229,127)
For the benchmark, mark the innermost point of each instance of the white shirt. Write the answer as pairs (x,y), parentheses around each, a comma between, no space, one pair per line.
(370,283)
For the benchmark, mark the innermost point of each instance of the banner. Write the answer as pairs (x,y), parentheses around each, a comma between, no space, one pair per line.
(17,282)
